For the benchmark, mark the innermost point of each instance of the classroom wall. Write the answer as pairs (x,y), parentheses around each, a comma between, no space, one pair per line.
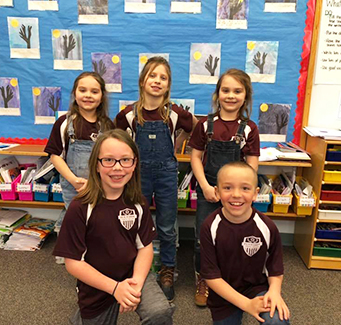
(162,32)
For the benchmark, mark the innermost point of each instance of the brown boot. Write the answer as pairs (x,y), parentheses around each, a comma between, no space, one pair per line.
(167,281)
(201,293)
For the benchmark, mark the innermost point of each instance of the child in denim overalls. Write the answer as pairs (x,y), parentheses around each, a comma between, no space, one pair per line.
(74,134)
(153,121)
(226,135)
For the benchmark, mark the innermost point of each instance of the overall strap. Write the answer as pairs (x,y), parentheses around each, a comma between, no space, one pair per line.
(88,215)
(70,129)
(240,132)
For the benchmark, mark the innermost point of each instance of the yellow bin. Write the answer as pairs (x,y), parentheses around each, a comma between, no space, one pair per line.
(281,203)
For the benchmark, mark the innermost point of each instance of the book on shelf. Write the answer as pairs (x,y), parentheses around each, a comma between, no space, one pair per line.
(10,217)
(9,169)
(36,227)
(271,153)
(45,171)
(326,133)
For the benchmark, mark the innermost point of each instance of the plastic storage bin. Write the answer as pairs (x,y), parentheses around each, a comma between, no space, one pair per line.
(303,206)
(56,190)
(281,203)
(327,251)
(332,176)
(193,197)
(329,215)
(42,192)
(8,192)
(330,195)
(183,198)
(24,191)
(262,202)
(333,155)
(325,231)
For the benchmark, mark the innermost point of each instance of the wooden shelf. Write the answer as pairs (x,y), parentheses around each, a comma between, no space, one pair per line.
(35,150)
(333,163)
(32,204)
(329,202)
(321,262)
(331,183)
(328,221)
(328,240)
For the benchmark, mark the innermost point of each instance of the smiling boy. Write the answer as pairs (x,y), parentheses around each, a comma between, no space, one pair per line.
(241,253)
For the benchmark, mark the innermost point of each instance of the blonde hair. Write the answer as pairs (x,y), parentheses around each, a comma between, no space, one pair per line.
(237,164)
(245,110)
(93,192)
(148,68)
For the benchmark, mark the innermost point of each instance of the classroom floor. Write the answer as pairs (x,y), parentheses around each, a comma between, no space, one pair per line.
(36,291)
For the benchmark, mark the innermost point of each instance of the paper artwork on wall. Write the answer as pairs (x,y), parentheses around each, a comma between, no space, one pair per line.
(9,96)
(280,5)
(23,38)
(124,103)
(109,67)
(93,12)
(232,14)
(6,3)
(140,6)
(46,103)
(43,5)
(67,49)
(273,122)
(186,6)
(261,61)
(204,65)
(143,58)
(186,104)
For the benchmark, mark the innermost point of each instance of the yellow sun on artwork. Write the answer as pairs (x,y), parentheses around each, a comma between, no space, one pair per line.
(197,55)
(14,82)
(14,23)
(56,33)
(143,59)
(251,45)
(123,107)
(264,107)
(36,91)
(115,59)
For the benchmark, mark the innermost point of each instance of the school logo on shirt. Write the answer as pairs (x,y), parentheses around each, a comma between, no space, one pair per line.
(127,218)
(251,245)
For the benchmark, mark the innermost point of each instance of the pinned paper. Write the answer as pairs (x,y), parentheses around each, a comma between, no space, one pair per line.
(186,6)
(67,49)
(46,103)
(43,5)
(23,37)
(140,6)
(93,12)
(261,61)
(232,14)
(204,63)
(280,5)
(6,3)
(9,97)
(124,103)
(186,104)
(109,67)
(273,122)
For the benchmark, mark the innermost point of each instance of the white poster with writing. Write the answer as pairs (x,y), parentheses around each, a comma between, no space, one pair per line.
(328,62)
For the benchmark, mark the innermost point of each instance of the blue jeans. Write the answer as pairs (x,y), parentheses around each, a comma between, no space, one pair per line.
(236,318)
(204,209)
(162,179)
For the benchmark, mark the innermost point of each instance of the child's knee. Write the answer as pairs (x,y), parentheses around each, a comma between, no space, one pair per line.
(275,320)
(163,315)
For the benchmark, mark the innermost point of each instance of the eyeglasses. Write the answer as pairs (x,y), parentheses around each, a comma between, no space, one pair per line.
(111,162)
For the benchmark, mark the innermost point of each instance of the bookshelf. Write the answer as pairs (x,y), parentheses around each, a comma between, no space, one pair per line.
(38,151)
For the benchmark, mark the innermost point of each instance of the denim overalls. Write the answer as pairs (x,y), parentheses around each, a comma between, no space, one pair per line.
(159,175)
(77,159)
(219,153)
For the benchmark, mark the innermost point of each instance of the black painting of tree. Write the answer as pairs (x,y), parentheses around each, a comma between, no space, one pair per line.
(26,38)
(186,108)
(258,62)
(100,68)
(235,6)
(6,95)
(210,66)
(52,104)
(68,46)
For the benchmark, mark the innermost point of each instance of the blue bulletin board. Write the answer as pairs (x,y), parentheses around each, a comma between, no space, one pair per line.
(128,34)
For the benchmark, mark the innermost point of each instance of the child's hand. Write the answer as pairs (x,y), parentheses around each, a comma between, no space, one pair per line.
(137,287)
(79,183)
(274,300)
(126,295)
(255,307)
(210,194)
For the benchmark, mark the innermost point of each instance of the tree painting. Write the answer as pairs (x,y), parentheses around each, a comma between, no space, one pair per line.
(99,67)
(26,38)
(259,61)
(186,104)
(69,43)
(46,100)
(92,7)
(9,95)
(233,9)
(210,66)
